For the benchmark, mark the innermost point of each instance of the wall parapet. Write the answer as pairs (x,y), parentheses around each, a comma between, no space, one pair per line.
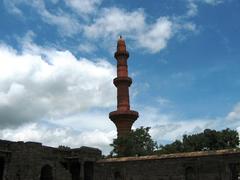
(173,156)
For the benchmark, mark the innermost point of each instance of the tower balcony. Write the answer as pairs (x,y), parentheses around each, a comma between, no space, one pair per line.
(123,80)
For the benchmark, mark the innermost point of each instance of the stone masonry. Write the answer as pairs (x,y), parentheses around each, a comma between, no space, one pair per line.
(33,161)
(204,165)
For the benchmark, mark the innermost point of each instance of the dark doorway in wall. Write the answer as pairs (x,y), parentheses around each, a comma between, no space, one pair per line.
(75,168)
(235,171)
(190,173)
(88,170)
(117,176)
(2,164)
(46,173)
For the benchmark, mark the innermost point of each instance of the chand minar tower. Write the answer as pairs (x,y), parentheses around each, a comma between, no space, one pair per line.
(123,117)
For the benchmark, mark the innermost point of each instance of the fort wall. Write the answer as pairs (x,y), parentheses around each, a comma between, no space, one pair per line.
(209,165)
(33,161)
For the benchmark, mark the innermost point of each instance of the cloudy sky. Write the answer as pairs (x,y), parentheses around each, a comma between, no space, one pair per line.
(57,66)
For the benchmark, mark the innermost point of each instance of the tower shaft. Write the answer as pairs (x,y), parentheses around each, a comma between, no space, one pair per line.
(122,82)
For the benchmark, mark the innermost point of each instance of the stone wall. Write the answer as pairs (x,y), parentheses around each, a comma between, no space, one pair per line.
(217,165)
(33,161)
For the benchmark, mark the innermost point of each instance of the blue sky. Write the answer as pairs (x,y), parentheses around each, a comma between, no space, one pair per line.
(57,66)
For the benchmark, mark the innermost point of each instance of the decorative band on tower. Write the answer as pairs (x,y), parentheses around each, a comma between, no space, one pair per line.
(123,117)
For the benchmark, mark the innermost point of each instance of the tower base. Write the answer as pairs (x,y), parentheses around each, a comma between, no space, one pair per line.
(123,121)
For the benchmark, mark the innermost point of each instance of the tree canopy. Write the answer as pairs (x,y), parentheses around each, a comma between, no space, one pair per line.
(207,140)
(137,143)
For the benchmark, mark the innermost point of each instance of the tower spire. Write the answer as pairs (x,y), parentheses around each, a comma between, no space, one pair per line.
(123,117)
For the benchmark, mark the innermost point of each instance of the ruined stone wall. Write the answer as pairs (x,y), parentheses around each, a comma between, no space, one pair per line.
(199,167)
(25,161)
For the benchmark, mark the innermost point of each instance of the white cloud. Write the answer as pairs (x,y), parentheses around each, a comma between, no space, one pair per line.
(83,6)
(71,132)
(174,130)
(234,115)
(156,36)
(43,83)
(192,5)
(213,2)
(44,87)
(87,47)
(55,136)
(192,8)
(150,36)
(88,120)
(106,24)
(11,6)
(113,21)
(67,25)
(54,1)
(167,127)
(164,102)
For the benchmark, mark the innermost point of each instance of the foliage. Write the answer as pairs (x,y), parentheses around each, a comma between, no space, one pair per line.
(207,140)
(175,147)
(137,143)
(62,147)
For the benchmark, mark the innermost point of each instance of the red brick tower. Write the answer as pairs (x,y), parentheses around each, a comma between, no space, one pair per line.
(123,118)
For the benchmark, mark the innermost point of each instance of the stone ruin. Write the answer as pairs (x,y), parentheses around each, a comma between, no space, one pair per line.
(33,161)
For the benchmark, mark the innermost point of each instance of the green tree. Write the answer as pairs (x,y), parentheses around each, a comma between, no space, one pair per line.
(175,147)
(229,138)
(207,140)
(137,143)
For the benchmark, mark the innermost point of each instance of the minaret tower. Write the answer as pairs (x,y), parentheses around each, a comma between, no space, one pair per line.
(123,117)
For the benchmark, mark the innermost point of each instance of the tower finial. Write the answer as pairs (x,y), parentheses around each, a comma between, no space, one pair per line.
(121,46)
